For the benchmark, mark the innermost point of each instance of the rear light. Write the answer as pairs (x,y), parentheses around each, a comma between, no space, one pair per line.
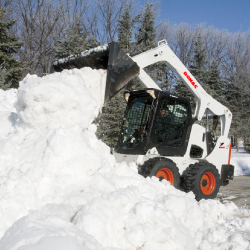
(229,156)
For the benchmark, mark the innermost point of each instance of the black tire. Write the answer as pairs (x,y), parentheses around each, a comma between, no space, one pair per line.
(146,168)
(162,168)
(203,180)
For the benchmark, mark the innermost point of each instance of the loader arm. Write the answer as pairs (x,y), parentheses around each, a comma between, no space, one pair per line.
(203,100)
(121,68)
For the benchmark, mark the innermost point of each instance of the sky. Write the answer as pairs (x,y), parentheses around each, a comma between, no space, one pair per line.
(231,15)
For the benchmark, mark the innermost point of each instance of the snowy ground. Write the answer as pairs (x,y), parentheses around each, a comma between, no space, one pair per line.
(61,189)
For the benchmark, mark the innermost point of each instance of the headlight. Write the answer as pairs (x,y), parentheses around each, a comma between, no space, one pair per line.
(151,92)
(126,96)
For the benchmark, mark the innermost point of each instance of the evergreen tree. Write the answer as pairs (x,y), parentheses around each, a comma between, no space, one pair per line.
(145,38)
(163,77)
(182,89)
(234,98)
(215,84)
(110,120)
(10,68)
(198,70)
(76,41)
(124,30)
(238,101)
(198,63)
(146,33)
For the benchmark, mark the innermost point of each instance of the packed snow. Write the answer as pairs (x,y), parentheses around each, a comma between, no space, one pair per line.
(60,188)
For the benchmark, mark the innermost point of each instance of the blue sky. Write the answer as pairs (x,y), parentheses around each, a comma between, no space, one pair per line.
(231,15)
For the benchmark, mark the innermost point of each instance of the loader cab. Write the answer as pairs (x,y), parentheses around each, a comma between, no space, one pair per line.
(155,118)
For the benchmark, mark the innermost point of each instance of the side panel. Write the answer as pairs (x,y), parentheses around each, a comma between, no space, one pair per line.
(197,138)
(220,154)
(123,157)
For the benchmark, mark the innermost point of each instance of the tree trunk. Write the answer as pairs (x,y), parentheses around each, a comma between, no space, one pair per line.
(237,143)
(245,142)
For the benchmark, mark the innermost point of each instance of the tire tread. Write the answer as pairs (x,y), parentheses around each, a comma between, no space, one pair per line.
(191,175)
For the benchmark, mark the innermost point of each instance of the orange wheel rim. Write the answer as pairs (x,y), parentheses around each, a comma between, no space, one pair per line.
(166,174)
(207,183)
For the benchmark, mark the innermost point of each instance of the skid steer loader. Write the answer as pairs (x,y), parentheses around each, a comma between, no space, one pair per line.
(159,132)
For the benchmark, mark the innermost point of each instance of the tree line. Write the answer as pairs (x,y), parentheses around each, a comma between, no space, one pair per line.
(33,33)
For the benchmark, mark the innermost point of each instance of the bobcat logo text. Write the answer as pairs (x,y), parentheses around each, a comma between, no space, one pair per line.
(190,79)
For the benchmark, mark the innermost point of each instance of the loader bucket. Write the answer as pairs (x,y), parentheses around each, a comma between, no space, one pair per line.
(120,67)
(96,58)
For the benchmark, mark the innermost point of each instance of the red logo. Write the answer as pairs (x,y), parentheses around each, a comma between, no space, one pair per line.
(190,79)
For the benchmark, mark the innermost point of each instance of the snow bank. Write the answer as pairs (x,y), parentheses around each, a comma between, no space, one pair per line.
(61,189)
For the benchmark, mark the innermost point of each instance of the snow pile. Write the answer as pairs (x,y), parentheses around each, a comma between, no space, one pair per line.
(7,99)
(52,102)
(61,189)
(7,111)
